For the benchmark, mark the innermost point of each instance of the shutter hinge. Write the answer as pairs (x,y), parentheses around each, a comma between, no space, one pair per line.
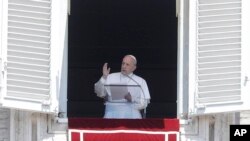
(199,106)
(46,105)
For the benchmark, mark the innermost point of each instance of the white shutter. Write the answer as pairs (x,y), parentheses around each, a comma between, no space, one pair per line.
(27,56)
(218,56)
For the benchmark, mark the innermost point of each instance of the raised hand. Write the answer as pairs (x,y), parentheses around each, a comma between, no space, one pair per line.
(105,70)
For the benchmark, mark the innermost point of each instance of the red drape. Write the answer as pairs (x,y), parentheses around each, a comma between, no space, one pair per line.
(123,124)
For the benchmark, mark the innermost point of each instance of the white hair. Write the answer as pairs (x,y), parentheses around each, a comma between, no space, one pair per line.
(133,57)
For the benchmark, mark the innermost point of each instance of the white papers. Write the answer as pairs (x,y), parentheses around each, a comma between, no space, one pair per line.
(117,92)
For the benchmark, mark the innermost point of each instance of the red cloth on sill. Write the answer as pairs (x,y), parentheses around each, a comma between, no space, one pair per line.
(123,124)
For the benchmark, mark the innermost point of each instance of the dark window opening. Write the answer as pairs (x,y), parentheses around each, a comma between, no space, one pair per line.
(104,31)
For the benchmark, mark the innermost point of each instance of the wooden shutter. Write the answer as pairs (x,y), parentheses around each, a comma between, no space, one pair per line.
(218,55)
(27,56)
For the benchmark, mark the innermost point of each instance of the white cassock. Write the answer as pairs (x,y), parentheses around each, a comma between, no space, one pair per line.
(121,108)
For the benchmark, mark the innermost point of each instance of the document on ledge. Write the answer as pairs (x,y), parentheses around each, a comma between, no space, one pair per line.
(117,92)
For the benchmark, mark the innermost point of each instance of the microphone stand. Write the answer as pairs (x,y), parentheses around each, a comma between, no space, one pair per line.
(144,110)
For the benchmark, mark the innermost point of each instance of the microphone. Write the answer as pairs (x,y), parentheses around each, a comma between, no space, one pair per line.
(144,110)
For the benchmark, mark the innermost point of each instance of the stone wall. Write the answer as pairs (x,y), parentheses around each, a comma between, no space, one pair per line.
(4,124)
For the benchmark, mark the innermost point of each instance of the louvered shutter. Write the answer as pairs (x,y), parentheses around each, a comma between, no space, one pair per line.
(219,56)
(27,57)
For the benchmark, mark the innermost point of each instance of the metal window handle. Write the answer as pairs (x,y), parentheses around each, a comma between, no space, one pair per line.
(246,79)
(4,68)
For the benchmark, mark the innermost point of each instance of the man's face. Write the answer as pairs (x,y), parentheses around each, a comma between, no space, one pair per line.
(128,65)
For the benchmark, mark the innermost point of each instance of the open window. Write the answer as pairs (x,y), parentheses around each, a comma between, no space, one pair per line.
(32,54)
(219,56)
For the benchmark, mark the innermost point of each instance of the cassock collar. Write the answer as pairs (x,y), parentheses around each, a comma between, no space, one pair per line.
(130,75)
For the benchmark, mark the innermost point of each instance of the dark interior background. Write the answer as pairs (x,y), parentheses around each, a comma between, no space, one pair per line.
(104,31)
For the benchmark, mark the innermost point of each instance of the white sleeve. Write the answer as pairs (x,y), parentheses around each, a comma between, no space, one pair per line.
(99,88)
(142,100)
(140,103)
